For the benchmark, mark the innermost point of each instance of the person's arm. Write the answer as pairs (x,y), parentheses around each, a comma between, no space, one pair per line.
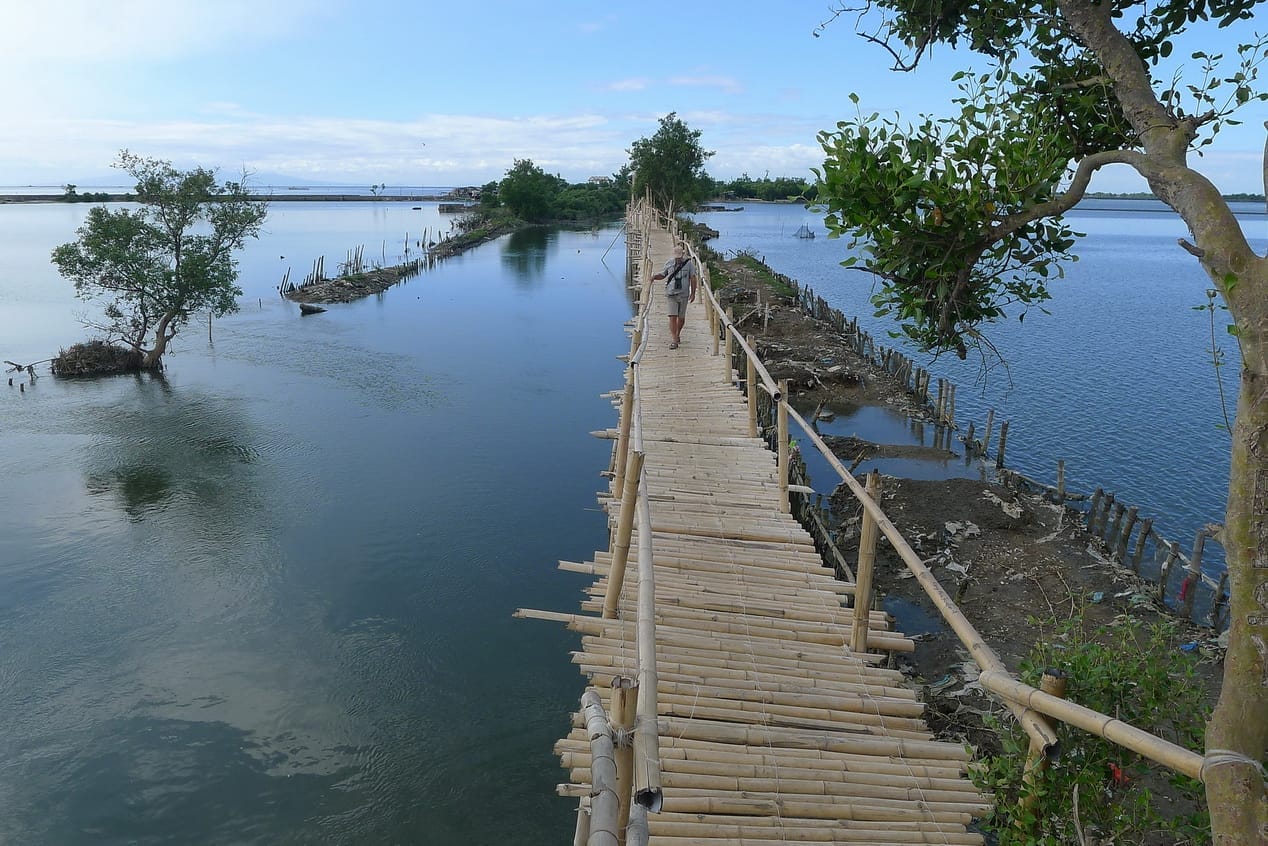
(695,278)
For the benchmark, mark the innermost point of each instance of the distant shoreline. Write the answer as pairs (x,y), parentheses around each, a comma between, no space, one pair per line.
(272,198)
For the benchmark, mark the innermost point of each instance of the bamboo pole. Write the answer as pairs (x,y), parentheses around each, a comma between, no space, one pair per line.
(624,700)
(782,447)
(863,572)
(621,546)
(604,802)
(1190,589)
(1053,683)
(1164,573)
(727,358)
(951,407)
(986,439)
(750,383)
(637,832)
(1003,441)
(1111,536)
(582,833)
(646,728)
(1120,548)
(1146,526)
(1061,481)
(623,440)
(1116,731)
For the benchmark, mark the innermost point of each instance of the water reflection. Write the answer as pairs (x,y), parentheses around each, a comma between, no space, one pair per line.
(171,444)
(524,254)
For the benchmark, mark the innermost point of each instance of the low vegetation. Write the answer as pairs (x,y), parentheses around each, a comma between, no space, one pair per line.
(1098,791)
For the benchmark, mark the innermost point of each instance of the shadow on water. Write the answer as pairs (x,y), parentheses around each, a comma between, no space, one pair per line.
(524,253)
(171,445)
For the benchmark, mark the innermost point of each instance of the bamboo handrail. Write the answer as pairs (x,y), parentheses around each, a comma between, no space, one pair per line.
(1177,758)
(1036,727)
(1025,701)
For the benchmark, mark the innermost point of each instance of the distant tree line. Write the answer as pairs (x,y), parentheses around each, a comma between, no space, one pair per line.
(535,196)
(70,195)
(746,187)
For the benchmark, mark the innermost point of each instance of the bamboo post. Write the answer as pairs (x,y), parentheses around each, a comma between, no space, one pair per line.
(782,446)
(750,382)
(1053,683)
(621,546)
(1120,549)
(1164,575)
(1146,526)
(968,440)
(986,439)
(863,572)
(940,408)
(1060,481)
(1003,441)
(1220,598)
(1111,537)
(728,361)
(1190,589)
(1098,528)
(604,802)
(951,405)
(714,325)
(624,701)
(623,440)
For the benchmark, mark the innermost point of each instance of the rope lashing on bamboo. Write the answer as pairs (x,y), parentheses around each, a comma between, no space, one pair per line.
(1221,757)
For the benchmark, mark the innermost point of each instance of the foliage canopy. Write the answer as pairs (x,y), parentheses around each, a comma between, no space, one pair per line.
(155,266)
(670,165)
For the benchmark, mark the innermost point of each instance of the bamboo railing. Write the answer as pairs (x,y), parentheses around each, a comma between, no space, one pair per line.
(1030,706)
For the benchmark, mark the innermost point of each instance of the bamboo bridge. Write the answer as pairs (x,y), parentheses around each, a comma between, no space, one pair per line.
(737,688)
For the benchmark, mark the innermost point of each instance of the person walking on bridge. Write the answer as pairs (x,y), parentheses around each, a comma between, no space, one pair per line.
(681,279)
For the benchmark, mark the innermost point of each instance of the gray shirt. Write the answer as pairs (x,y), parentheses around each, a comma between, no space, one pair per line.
(679,284)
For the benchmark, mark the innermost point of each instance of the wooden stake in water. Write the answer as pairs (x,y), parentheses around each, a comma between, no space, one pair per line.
(1003,441)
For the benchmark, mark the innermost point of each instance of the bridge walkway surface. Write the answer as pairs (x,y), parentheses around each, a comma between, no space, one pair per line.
(768,726)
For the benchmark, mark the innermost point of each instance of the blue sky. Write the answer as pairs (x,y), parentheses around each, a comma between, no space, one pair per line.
(427,93)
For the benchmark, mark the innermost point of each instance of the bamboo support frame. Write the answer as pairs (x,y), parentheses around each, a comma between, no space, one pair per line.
(750,387)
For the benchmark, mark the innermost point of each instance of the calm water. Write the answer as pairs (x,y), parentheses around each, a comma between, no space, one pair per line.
(267,598)
(1117,380)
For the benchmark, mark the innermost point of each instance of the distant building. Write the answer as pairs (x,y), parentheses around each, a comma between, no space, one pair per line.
(600,180)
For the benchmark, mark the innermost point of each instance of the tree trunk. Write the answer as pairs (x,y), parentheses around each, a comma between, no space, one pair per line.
(1237,735)
(153,358)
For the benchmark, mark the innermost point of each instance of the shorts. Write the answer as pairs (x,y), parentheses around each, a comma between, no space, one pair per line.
(678,305)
